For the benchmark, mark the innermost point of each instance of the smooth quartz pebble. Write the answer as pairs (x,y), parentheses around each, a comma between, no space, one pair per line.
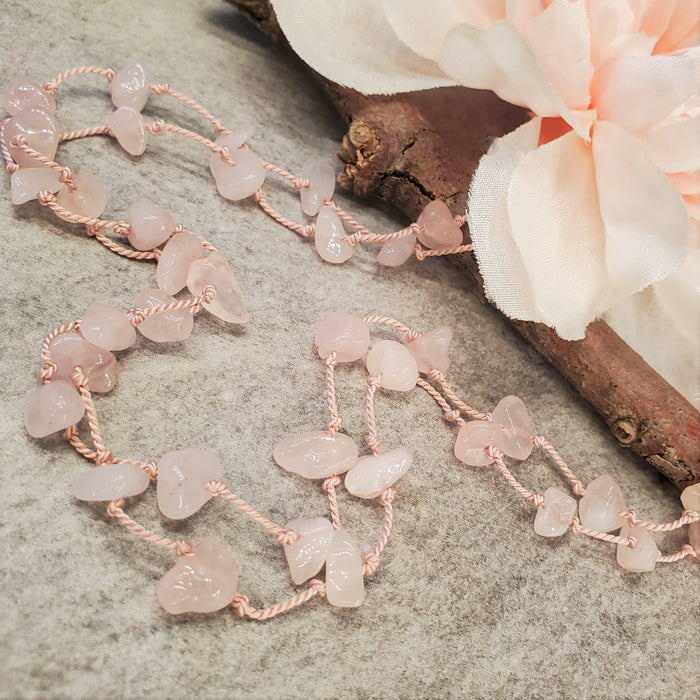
(642,557)
(107,327)
(69,350)
(51,407)
(201,582)
(150,225)
(394,364)
(473,439)
(600,505)
(344,334)
(129,128)
(39,128)
(315,454)
(374,474)
(175,260)
(24,93)
(213,270)
(88,199)
(166,326)
(553,520)
(430,350)
(690,497)
(307,555)
(516,437)
(694,535)
(328,237)
(237,181)
(110,481)
(182,481)
(130,86)
(26,183)
(345,585)
(440,230)
(321,177)
(397,251)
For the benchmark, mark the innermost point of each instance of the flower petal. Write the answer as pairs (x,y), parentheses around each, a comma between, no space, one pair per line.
(675,147)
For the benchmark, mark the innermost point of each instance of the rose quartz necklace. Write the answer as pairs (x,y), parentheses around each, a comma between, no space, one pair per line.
(78,360)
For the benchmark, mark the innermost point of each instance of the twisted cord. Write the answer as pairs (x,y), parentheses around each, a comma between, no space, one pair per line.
(243,608)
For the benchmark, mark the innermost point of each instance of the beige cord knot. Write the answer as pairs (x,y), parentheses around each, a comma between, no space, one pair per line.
(114,507)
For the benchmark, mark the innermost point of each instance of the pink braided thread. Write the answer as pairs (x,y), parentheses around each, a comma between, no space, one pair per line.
(306,231)
(687,517)
(103,456)
(10,165)
(164,89)
(452,415)
(328,486)
(577,528)
(537,499)
(297,182)
(243,608)
(66,176)
(52,86)
(48,368)
(454,399)
(336,421)
(388,321)
(71,434)
(685,551)
(371,561)
(423,253)
(150,467)
(138,316)
(576,483)
(82,133)
(372,439)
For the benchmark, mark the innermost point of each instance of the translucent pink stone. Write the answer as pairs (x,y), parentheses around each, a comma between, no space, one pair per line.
(51,407)
(473,439)
(307,555)
(182,481)
(167,326)
(394,364)
(642,557)
(110,481)
(87,200)
(41,131)
(24,93)
(553,520)
(321,176)
(690,497)
(316,455)
(128,127)
(600,505)
(440,230)
(345,585)
(213,270)
(175,260)
(516,437)
(397,251)
(328,237)
(237,181)
(26,183)
(694,536)
(201,582)
(150,225)
(107,327)
(69,350)
(374,474)
(430,350)
(239,135)
(344,334)
(130,86)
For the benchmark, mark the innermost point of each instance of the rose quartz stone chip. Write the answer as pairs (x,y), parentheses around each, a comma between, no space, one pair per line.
(174,263)
(213,270)
(88,199)
(694,536)
(321,177)
(374,474)
(516,437)
(130,86)
(600,505)
(690,497)
(150,225)
(24,93)
(41,131)
(128,128)
(553,520)
(440,230)
(107,327)
(642,557)
(344,334)
(394,364)
(243,179)
(307,555)
(69,350)
(345,585)
(26,183)
(430,350)
(166,326)
(51,407)
(473,439)
(328,237)
(396,251)
(201,582)
(315,454)
(110,481)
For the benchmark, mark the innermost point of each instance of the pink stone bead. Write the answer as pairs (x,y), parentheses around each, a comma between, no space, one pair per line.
(26,183)
(394,364)
(600,505)
(88,199)
(69,350)
(344,334)
(516,437)
(129,128)
(307,555)
(130,86)
(239,135)
(642,557)
(24,93)
(397,251)
(182,481)
(345,584)
(473,439)
(553,520)
(107,327)
(213,270)
(328,237)
(690,497)
(374,474)
(430,350)
(315,454)
(41,131)
(440,230)
(166,326)
(694,536)
(238,181)
(150,225)
(201,582)
(110,481)
(321,176)
(51,407)
(175,259)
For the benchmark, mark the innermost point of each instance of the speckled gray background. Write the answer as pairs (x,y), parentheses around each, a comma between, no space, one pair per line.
(467,601)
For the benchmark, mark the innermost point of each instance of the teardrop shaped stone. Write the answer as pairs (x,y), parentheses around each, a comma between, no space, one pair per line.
(150,225)
(694,536)
(24,93)
(238,181)
(394,364)
(41,131)
(345,334)
(166,326)
(175,259)
(213,270)
(397,251)
(315,454)
(69,350)
(516,437)
(345,585)
(430,350)
(440,230)
(26,183)
(374,474)
(130,86)
(307,555)
(642,557)
(600,505)
(553,520)
(107,327)
(88,199)
(51,407)
(128,127)
(110,481)
(473,439)
(690,497)
(321,176)
(328,237)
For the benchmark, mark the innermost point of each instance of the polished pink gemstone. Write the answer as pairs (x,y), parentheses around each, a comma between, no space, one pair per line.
(516,437)
(690,497)
(69,350)
(600,505)
(110,481)
(130,86)
(307,555)
(315,454)
(397,251)
(643,556)
(694,536)
(41,131)
(150,225)
(175,259)
(24,93)
(51,407)
(345,584)
(344,334)
(241,180)
(128,127)
(329,237)
(26,183)
(321,176)
(167,326)
(473,439)
(373,474)
(430,350)
(440,230)
(394,364)
(107,327)
(213,270)
(239,135)
(553,520)
(87,200)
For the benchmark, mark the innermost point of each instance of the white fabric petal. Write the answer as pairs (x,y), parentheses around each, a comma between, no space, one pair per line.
(675,147)
(686,183)
(521,13)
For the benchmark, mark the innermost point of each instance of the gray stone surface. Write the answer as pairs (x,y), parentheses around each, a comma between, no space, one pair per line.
(467,601)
